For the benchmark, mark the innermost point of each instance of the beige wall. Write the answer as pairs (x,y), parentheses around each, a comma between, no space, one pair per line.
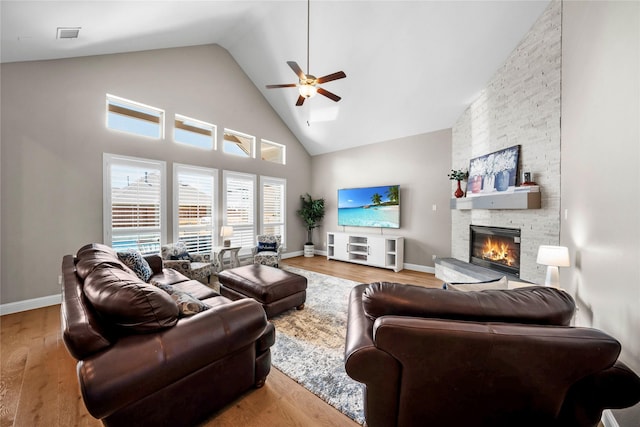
(54,135)
(600,170)
(419,164)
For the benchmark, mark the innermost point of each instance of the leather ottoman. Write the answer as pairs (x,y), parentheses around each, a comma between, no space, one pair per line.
(277,290)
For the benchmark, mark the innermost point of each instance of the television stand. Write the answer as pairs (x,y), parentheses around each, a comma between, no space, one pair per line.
(368,249)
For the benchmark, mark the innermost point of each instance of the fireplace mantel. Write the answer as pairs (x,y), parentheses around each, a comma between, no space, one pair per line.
(523,200)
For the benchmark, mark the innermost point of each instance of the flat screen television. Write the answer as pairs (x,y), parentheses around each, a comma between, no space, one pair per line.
(369,206)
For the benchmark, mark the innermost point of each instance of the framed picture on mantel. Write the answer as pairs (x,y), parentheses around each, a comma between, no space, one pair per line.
(493,172)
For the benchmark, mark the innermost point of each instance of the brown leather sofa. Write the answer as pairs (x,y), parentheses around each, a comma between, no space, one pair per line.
(432,357)
(140,361)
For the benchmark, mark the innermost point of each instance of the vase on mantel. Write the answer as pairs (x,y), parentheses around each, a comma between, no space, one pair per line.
(459,193)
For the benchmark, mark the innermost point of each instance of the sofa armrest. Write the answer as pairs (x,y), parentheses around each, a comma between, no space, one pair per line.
(139,365)
(365,363)
(181,266)
(201,257)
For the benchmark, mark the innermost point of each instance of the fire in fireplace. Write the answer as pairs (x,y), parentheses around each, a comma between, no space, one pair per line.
(495,248)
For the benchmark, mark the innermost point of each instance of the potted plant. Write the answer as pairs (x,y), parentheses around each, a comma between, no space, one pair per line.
(311,212)
(458,175)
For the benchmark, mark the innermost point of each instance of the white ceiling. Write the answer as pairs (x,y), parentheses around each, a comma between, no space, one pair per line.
(412,66)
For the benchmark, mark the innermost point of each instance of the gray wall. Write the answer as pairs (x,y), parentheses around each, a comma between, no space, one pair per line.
(419,164)
(600,170)
(519,106)
(53,137)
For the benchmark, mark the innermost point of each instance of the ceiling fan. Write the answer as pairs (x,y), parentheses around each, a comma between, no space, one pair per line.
(308,84)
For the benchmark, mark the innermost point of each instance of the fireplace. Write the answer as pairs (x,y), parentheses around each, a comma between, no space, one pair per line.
(495,248)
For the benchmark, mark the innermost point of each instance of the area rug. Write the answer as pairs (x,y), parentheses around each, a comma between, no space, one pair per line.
(310,343)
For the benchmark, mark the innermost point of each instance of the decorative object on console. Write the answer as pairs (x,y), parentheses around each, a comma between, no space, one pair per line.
(369,206)
(226,231)
(311,212)
(553,257)
(493,172)
(458,175)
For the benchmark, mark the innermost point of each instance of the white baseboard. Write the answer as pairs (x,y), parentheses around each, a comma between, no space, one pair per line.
(608,419)
(30,304)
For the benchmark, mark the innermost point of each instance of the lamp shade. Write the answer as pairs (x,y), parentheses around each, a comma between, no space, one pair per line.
(226,231)
(553,255)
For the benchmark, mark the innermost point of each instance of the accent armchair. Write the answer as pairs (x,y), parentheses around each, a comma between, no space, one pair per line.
(492,358)
(268,251)
(196,266)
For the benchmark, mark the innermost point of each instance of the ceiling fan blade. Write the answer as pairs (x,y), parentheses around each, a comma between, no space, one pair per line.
(296,69)
(331,77)
(300,101)
(328,94)
(278,86)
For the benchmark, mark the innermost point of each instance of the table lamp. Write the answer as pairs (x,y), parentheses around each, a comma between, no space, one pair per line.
(553,257)
(225,232)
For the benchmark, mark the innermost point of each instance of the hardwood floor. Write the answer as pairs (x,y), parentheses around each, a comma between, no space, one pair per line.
(38,384)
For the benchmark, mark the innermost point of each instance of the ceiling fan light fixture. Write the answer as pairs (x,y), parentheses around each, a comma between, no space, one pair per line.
(307,90)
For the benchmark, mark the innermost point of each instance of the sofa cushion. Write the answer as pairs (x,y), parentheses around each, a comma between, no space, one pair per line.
(126,301)
(136,262)
(535,304)
(168,276)
(97,255)
(188,304)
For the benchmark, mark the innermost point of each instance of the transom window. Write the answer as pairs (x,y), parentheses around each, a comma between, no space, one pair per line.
(239,144)
(193,132)
(272,152)
(134,117)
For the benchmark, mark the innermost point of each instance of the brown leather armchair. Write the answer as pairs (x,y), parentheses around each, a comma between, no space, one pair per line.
(494,358)
(144,362)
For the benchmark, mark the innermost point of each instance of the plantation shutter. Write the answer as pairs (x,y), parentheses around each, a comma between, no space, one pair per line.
(240,208)
(195,193)
(273,206)
(134,205)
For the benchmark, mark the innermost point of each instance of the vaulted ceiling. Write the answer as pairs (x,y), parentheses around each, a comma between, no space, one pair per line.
(412,66)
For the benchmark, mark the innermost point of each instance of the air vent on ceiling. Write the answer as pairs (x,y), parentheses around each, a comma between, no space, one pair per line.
(68,32)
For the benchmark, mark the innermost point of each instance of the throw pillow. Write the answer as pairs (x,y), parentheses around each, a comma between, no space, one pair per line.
(136,262)
(501,283)
(188,305)
(183,256)
(267,247)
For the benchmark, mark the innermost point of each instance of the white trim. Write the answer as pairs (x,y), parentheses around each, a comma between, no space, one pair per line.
(608,419)
(421,268)
(292,254)
(30,304)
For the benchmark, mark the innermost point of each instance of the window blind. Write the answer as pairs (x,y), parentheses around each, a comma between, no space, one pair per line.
(240,208)
(194,195)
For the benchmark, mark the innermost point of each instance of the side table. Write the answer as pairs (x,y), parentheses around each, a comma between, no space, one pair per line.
(219,252)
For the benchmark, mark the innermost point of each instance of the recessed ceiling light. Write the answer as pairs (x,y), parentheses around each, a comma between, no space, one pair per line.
(68,32)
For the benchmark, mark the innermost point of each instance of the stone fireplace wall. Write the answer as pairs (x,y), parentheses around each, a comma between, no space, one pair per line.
(519,106)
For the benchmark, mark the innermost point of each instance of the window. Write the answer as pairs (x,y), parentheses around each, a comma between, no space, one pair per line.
(195,133)
(272,152)
(194,207)
(134,117)
(272,203)
(134,207)
(239,207)
(239,144)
